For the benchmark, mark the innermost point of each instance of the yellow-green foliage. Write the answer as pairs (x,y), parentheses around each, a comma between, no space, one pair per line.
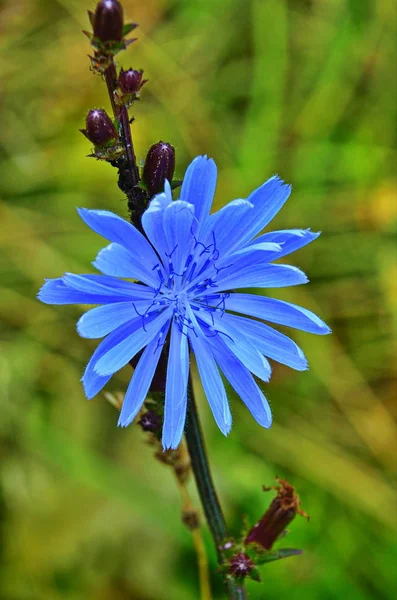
(304,88)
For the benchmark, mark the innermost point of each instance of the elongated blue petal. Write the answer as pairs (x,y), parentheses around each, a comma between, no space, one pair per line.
(289,239)
(267,201)
(243,383)
(224,227)
(117,261)
(141,380)
(118,230)
(104,286)
(241,346)
(276,311)
(176,388)
(100,321)
(212,383)
(267,340)
(248,259)
(178,222)
(153,223)
(261,276)
(55,291)
(120,354)
(198,186)
(134,291)
(92,381)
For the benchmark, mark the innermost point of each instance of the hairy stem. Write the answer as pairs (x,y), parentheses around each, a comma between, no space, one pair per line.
(206,488)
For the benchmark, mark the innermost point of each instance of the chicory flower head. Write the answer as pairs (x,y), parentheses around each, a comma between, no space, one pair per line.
(184,269)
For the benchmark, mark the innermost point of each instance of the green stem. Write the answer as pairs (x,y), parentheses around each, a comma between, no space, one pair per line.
(206,488)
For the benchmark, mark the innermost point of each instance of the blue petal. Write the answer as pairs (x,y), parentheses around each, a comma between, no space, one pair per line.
(241,346)
(92,382)
(178,223)
(120,354)
(243,383)
(198,186)
(267,200)
(134,291)
(290,239)
(55,291)
(212,383)
(100,321)
(167,189)
(261,276)
(277,311)
(246,259)
(118,230)
(116,261)
(152,223)
(267,340)
(176,389)
(225,225)
(141,380)
(99,285)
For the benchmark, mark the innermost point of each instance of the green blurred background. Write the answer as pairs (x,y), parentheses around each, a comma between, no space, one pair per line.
(304,88)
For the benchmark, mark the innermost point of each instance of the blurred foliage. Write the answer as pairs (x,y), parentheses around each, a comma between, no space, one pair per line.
(305,88)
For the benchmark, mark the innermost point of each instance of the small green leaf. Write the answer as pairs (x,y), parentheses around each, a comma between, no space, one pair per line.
(277,555)
(128,27)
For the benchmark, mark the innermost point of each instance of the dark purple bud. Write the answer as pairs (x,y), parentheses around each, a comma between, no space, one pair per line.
(159,166)
(108,21)
(130,82)
(240,565)
(150,421)
(99,128)
(283,509)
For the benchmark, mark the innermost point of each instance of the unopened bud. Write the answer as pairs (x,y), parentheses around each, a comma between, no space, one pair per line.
(283,509)
(240,565)
(159,166)
(108,21)
(99,128)
(130,82)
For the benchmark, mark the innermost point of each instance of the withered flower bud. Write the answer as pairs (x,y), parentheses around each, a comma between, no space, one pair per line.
(159,166)
(283,509)
(150,421)
(108,21)
(240,565)
(99,128)
(130,82)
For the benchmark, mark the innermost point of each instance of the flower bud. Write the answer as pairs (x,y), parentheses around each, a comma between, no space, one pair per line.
(240,565)
(280,513)
(159,166)
(99,128)
(150,421)
(108,21)
(130,82)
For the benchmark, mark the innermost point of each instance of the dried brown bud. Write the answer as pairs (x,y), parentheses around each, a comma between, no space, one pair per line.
(150,421)
(159,166)
(130,82)
(240,565)
(108,21)
(99,128)
(283,509)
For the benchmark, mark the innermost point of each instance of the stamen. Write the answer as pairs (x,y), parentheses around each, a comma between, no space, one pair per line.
(218,270)
(170,255)
(216,251)
(143,316)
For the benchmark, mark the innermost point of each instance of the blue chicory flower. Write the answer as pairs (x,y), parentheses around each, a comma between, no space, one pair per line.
(186,266)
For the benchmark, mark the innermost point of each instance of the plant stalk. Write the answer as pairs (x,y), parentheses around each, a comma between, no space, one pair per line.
(206,488)
(128,169)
